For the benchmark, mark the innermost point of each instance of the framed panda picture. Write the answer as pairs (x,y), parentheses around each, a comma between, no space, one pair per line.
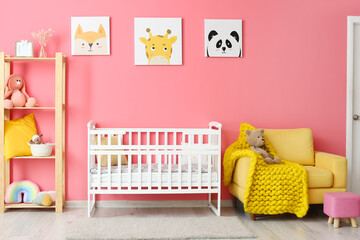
(223,38)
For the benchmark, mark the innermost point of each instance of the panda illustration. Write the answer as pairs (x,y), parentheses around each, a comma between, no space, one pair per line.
(223,44)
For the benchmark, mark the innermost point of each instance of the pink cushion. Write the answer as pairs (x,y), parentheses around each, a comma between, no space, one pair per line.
(342,205)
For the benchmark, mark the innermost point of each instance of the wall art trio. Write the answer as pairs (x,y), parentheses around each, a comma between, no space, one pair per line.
(157,41)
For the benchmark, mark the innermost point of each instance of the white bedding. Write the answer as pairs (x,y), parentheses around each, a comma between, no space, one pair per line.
(154,168)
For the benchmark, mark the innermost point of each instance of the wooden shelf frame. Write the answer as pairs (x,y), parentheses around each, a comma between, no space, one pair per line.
(60,79)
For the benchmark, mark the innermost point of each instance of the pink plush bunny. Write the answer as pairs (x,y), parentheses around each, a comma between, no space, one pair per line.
(15,93)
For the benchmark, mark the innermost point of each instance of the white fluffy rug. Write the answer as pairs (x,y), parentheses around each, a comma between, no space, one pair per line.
(159,228)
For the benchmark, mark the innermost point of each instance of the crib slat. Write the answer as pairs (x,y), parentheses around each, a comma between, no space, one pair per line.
(199,171)
(174,143)
(189,171)
(209,171)
(158,159)
(169,170)
(149,164)
(119,171)
(129,171)
(139,169)
(179,170)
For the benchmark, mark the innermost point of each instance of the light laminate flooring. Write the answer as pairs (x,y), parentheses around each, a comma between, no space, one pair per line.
(25,224)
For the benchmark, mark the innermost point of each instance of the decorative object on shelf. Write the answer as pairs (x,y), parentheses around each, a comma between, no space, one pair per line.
(42,36)
(162,39)
(90,35)
(24,48)
(223,38)
(36,139)
(21,191)
(15,93)
(17,134)
(45,198)
(41,150)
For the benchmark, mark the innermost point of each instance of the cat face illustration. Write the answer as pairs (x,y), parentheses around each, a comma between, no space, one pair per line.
(90,43)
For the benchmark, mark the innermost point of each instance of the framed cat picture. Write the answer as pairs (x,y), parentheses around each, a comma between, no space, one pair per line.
(90,35)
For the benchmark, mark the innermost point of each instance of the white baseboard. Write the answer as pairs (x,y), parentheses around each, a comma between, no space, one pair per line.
(146,204)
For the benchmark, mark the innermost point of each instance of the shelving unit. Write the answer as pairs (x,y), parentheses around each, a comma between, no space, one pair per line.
(59,109)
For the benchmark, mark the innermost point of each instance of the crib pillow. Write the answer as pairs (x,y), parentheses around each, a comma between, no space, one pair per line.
(21,191)
(114,158)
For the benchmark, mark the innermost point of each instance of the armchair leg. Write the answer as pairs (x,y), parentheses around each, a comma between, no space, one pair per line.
(252,216)
(234,203)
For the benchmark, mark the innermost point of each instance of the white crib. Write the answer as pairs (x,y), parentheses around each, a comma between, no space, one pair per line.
(160,161)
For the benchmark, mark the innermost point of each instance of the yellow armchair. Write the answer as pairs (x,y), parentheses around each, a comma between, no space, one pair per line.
(326,172)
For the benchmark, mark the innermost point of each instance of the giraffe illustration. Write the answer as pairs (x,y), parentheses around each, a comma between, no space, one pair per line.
(158,48)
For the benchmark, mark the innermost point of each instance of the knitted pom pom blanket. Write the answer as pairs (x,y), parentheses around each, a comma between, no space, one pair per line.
(270,188)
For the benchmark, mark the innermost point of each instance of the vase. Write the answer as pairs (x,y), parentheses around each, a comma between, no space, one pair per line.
(42,53)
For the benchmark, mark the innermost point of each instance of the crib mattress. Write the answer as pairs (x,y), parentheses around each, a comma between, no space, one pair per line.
(155,176)
(154,168)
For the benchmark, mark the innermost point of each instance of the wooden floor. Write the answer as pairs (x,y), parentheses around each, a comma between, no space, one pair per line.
(24,224)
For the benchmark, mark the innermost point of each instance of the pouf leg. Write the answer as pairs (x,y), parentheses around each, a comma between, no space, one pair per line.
(331,220)
(354,223)
(347,220)
(336,222)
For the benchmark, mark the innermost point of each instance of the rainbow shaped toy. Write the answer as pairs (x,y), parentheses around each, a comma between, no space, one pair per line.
(21,191)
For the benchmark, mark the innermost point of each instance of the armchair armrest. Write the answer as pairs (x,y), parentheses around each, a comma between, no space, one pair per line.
(334,163)
(241,171)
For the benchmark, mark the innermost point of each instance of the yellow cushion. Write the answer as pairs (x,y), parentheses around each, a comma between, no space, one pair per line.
(294,145)
(17,133)
(114,158)
(319,177)
(241,171)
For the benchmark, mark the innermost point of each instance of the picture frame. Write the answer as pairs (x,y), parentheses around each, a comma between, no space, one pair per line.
(158,41)
(90,36)
(223,38)
(24,48)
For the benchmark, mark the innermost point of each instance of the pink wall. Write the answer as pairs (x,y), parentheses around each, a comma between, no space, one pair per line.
(293,74)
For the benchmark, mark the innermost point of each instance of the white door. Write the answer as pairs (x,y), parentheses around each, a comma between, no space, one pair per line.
(353,104)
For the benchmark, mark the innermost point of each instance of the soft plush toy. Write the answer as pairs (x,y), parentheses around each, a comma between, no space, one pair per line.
(255,139)
(36,139)
(15,93)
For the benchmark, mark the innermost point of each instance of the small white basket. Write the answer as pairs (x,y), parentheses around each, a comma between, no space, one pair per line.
(41,150)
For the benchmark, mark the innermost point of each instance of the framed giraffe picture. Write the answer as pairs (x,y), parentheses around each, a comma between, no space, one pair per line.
(223,38)
(90,35)
(158,41)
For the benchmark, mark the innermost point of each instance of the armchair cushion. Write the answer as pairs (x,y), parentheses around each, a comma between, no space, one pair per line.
(241,171)
(319,177)
(293,145)
(334,163)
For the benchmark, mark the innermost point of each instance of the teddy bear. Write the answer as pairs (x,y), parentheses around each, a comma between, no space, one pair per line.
(255,139)
(15,93)
(36,139)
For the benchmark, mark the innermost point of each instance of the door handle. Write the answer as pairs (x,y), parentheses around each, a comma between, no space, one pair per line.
(356,117)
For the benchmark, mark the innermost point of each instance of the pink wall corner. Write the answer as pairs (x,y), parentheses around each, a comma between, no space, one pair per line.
(292,75)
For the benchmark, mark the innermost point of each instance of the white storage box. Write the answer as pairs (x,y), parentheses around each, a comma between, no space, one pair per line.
(41,150)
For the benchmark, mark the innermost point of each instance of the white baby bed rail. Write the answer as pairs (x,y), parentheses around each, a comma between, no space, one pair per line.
(160,161)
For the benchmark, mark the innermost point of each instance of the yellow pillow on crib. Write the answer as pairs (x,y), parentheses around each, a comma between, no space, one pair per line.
(17,133)
(114,158)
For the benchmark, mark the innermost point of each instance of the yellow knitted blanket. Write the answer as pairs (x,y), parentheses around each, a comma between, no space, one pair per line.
(270,188)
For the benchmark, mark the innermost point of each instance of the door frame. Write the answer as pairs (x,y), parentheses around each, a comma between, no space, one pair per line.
(351,21)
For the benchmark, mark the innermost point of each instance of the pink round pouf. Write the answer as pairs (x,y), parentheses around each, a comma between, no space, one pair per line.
(342,205)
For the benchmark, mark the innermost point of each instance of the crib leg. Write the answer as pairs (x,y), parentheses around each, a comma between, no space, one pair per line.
(219,204)
(89,205)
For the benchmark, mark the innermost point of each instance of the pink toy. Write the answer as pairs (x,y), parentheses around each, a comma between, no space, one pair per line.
(15,93)
(342,205)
